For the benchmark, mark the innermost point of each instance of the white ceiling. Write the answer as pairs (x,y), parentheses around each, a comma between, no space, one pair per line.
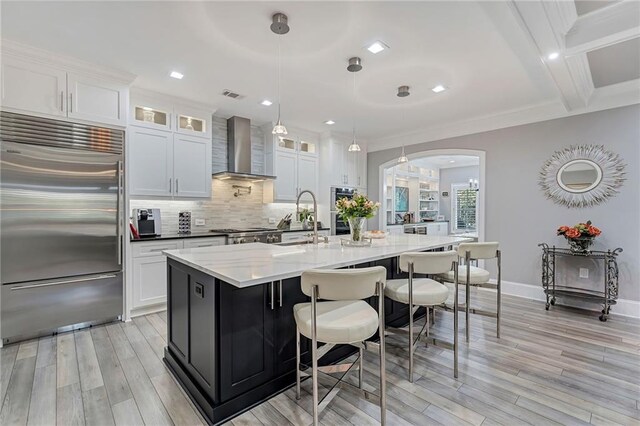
(480,50)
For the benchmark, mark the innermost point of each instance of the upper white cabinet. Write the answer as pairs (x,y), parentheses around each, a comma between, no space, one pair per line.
(191,166)
(150,162)
(293,159)
(96,100)
(34,88)
(340,167)
(169,148)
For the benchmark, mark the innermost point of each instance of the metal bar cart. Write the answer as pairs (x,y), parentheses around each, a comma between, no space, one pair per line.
(607,297)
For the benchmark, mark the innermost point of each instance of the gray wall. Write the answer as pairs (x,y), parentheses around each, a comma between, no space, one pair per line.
(454,175)
(517,213)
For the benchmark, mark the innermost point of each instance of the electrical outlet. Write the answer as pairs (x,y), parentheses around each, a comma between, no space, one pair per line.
(584,273)
(199,222)
(272,220)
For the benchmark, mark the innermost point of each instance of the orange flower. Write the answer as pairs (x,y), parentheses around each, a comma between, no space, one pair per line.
(593,231)
(563,229)
(572,233)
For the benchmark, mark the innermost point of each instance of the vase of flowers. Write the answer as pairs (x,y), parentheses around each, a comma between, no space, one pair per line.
(355,211)
(580,236)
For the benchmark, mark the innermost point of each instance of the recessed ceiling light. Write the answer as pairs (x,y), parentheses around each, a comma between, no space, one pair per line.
(266,102)
(439,88)
(452,161)
(377,47)
(553,55)
(176,74)
(330,122)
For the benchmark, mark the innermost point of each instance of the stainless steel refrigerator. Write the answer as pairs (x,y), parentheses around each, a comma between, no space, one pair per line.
(60,225)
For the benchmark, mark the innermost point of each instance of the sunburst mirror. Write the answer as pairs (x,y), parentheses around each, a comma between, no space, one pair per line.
(582,175)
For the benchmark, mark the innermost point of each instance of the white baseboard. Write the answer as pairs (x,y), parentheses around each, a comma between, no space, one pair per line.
(624,307)
(146,310)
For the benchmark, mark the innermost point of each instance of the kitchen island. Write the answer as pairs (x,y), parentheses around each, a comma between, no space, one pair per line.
(231,330)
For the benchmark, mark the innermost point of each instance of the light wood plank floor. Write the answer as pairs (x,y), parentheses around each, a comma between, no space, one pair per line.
(557,367)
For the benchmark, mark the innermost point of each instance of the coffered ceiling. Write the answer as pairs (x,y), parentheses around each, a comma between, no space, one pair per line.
(491,57)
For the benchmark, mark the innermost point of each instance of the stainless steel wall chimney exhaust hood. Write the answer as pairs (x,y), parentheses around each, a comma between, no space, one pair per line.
(239,152)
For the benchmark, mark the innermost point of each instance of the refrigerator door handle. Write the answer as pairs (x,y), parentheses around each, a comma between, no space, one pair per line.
(24,287)
(119,212)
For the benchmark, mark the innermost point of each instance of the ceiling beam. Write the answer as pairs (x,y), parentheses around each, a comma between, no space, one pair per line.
(613,24)
(546,22)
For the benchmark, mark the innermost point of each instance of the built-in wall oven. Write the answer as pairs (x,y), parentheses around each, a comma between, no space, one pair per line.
(339,226)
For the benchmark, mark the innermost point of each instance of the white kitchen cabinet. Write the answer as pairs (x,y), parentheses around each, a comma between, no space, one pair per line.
(97,100)
(301,235)
(341,167)
(150,162)
(294,161)
(36,88)
(438,229)
(204,242)
(191,166)
(286,169)
(149,285)
(307,172)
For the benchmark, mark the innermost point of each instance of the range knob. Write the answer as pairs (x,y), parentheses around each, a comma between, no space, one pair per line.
(242,241)
(256,239)
(235,241)
(269,238)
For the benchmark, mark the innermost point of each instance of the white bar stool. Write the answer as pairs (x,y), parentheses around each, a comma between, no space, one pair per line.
(425,292)
(344,318)
(473,276)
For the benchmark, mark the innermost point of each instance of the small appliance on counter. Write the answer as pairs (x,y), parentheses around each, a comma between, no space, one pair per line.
(147,222)
(184,222)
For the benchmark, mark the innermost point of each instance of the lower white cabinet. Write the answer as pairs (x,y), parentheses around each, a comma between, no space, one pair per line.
(150,268)
(438,228)
(301,235)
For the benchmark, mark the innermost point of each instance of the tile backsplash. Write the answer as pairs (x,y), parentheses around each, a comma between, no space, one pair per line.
(223,210)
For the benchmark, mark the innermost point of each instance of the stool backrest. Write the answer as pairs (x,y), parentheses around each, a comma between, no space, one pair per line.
(437,262)
(343,284)
(479,250)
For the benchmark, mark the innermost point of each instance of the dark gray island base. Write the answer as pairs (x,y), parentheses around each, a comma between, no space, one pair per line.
(232,348)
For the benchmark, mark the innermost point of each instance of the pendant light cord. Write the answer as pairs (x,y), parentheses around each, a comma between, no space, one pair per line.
(354,107)
(279,67)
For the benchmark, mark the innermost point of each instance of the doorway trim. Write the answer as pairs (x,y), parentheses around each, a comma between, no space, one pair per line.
(431,153)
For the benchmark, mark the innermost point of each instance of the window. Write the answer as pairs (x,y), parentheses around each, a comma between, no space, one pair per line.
(463,208)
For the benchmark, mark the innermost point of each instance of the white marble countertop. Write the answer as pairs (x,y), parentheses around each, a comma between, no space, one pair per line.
(245,265)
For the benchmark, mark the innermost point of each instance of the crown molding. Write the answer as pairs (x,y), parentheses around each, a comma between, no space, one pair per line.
(62,62)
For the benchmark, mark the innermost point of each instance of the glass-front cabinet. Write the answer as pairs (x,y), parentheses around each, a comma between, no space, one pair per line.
(191,125)
(151,117)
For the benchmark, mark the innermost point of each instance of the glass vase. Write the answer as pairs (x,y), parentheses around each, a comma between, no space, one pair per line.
(356,228)
(580,244)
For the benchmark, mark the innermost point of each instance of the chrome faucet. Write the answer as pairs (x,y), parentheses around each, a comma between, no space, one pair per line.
(315,213)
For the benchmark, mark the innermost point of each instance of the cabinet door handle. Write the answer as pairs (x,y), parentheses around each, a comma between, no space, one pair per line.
(280,293)
(177,190)
(71,102)
(170,191)
(62,100)
(272,296)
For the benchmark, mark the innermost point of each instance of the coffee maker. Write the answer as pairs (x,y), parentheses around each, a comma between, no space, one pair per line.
(147,222)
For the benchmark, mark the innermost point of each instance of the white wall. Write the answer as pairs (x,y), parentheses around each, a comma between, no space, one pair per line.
(517,213)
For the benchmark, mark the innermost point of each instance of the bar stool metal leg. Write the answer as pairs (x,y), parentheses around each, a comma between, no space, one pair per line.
(314,353)
(467,290)
(383,369)
(361,368)
(455,321)
(411,322)
(499,295)
(297,363)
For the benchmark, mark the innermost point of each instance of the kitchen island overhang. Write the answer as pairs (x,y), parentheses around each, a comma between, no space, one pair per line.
(231,331)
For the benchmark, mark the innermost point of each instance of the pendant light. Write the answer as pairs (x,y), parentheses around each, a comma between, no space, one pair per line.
(403,158)
(279,26)
(354,66)
(403,92)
